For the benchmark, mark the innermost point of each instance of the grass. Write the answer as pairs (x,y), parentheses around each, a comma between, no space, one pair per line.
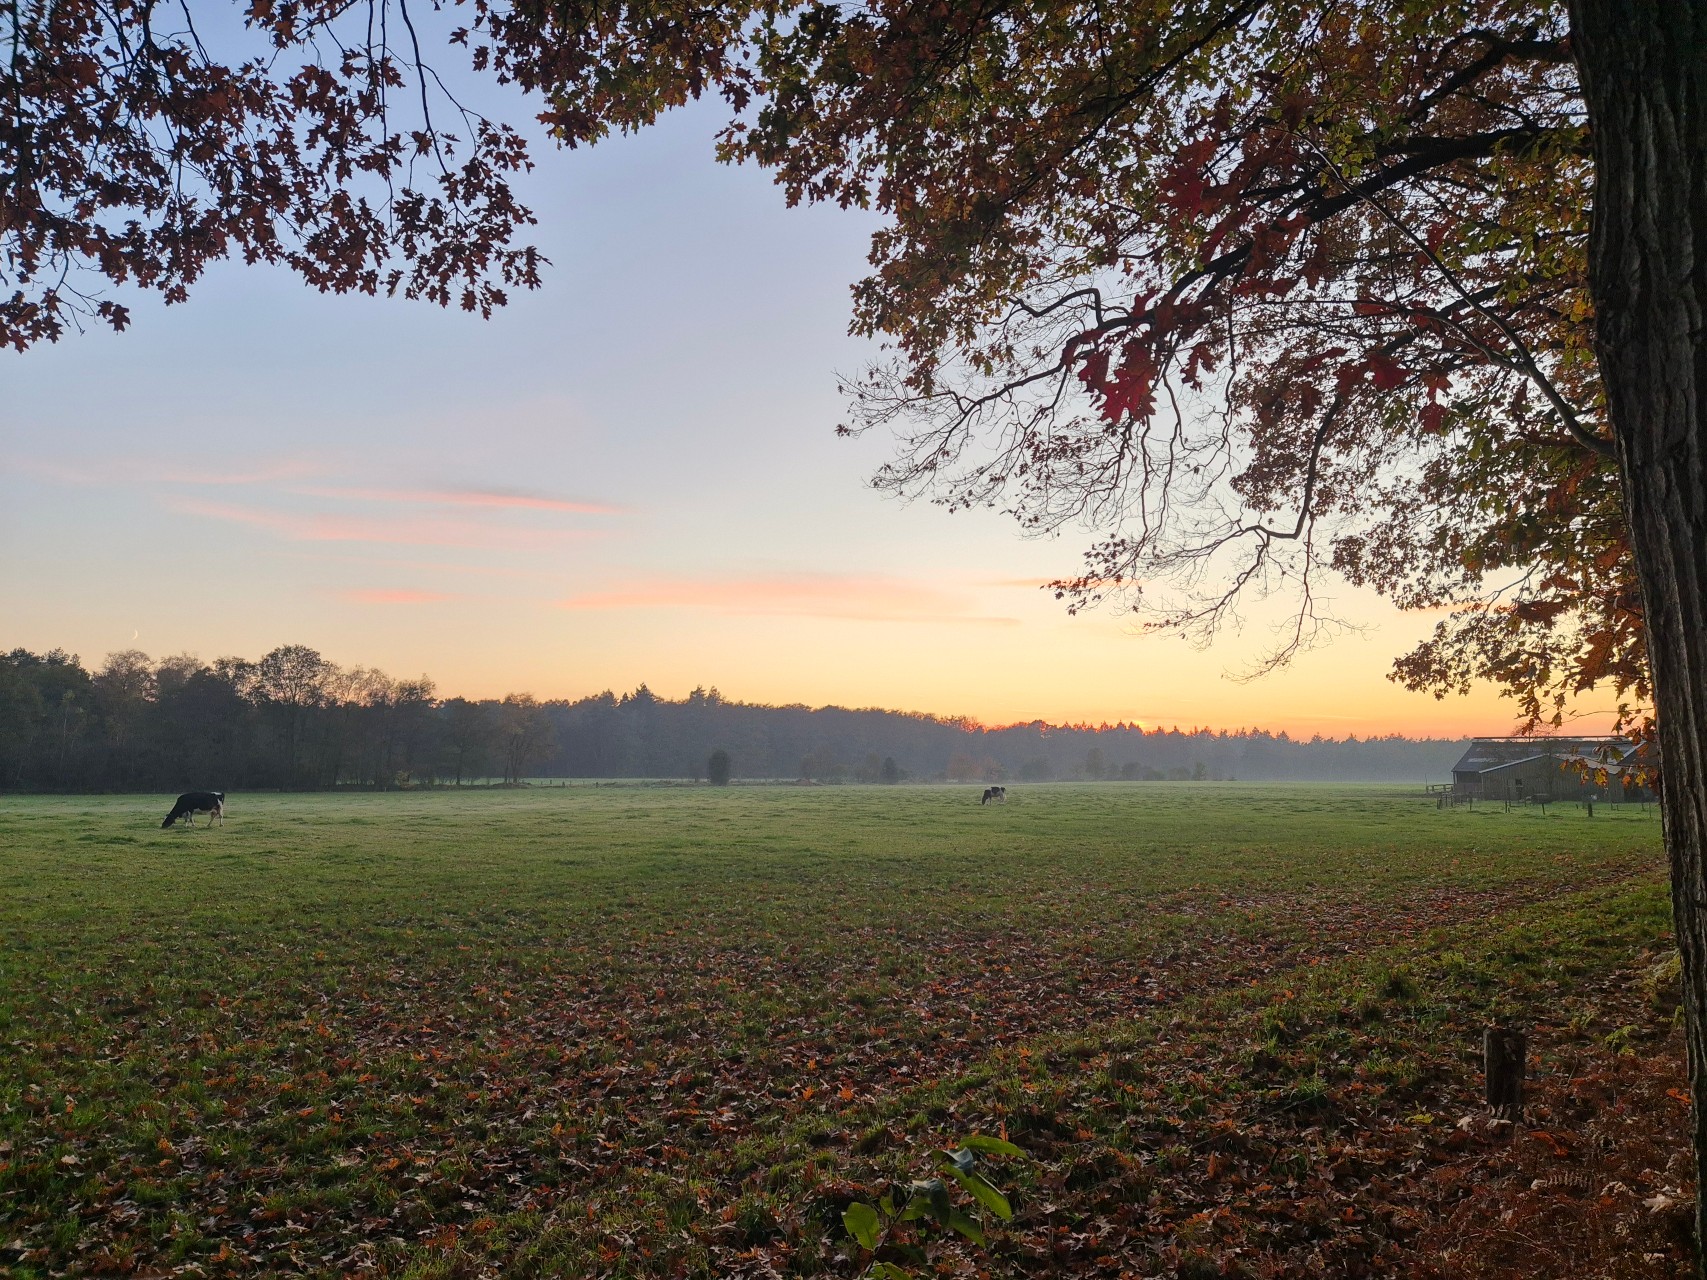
(672,1031)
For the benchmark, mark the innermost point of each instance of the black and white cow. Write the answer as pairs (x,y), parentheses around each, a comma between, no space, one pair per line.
(191,803)
(994,793)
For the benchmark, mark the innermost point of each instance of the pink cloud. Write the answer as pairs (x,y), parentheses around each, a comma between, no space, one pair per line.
(490,498)
(414,531)
(398,595)
(800,595)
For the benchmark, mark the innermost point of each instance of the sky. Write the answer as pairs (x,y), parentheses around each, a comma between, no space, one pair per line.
(628,476)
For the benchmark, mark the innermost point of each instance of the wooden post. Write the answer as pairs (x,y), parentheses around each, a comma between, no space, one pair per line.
(1503,1054)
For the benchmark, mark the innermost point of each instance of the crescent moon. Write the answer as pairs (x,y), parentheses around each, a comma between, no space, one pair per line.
(134,634)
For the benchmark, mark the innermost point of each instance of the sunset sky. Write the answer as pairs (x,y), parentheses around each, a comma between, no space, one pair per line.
(629,476)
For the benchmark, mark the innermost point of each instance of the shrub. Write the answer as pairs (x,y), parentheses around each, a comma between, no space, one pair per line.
(717,768)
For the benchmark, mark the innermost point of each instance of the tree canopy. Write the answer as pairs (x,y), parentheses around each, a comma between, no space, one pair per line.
(137,146)
(1250,291)
(1247,292)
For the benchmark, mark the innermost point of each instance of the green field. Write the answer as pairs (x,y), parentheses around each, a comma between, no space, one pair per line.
(673,1031)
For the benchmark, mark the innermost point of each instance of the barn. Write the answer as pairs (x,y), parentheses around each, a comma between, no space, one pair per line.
(1546,768)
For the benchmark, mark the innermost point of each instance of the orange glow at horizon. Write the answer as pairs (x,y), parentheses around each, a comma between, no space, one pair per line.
(848,597)
(1088,670)
(522,594)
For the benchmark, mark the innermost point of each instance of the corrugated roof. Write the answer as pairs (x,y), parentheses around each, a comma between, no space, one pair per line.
(1507,764)
(1497,753)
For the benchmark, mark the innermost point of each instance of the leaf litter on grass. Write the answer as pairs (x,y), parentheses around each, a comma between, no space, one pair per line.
(458,1080)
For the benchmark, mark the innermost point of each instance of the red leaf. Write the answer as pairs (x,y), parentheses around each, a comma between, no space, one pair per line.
(1387,374)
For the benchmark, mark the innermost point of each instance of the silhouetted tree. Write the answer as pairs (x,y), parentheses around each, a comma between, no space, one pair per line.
(290,681)
(962,767)
(466,739)
(122,691)
(717,767)
(524,732)
(203,728)
(21,715)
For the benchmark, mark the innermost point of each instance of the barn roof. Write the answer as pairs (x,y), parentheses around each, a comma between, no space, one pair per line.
(1612,761)
(1486,754)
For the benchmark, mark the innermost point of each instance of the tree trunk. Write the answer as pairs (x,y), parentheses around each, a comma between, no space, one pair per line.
(1644,72)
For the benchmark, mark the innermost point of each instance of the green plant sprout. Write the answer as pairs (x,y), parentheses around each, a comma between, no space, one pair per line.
(932,1201)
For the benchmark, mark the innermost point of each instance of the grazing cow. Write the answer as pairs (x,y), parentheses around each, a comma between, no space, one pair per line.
(191,803)
(994,793)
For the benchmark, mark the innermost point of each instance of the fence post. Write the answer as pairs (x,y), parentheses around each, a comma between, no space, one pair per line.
(1503,1054)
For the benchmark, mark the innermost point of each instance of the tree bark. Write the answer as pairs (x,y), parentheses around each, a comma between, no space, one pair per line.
(1643,65)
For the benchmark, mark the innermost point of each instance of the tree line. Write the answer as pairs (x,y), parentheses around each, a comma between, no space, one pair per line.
(293,720)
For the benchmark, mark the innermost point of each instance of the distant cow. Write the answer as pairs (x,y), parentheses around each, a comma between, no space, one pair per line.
(994,793)
(191,803)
